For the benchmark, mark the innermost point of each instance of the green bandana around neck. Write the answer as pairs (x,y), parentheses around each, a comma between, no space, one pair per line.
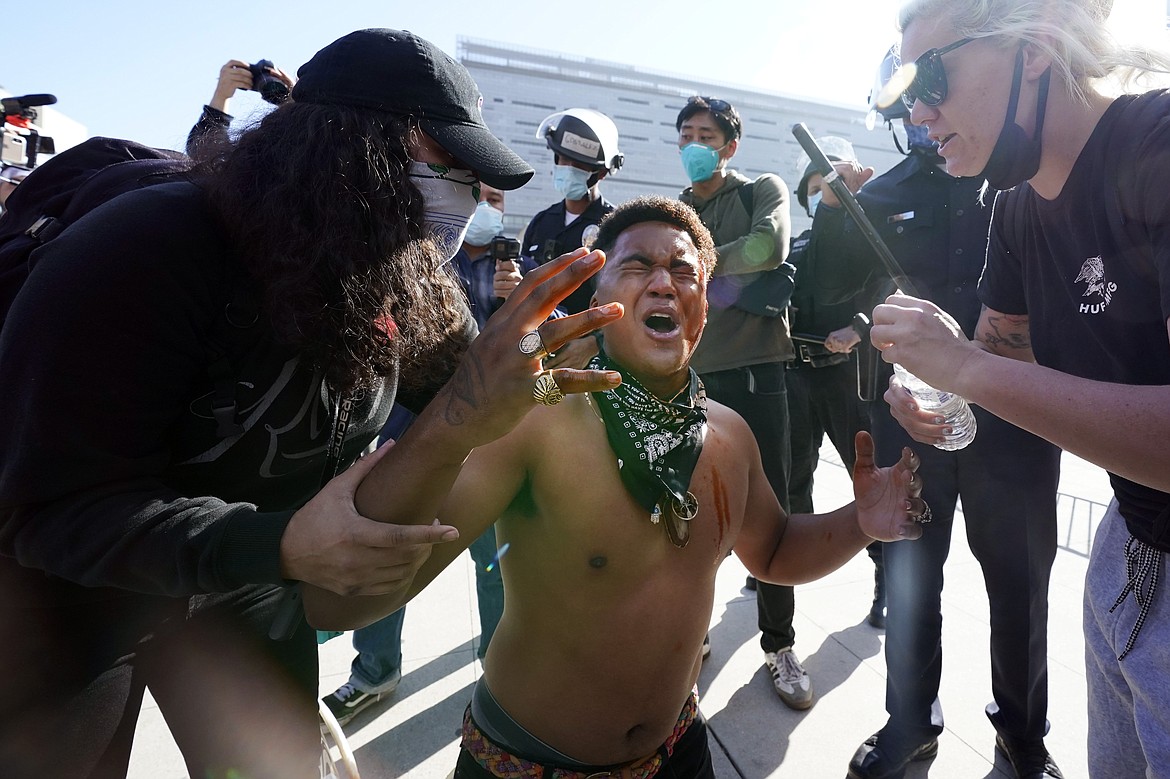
(657,444)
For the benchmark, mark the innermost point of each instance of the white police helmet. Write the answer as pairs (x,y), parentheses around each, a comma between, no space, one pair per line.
(584,135)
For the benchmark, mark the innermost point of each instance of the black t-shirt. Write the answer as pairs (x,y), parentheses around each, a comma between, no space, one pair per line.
(1090,269)
(112,472)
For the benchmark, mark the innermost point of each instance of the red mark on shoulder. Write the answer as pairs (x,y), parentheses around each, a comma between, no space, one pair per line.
(722,512)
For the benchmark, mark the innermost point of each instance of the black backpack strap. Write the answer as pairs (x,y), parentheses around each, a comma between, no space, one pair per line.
(745,197)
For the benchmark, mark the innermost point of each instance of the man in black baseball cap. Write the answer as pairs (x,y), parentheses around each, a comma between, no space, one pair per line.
(398,72)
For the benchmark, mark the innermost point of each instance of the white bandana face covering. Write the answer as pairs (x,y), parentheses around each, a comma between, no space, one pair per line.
(451,196)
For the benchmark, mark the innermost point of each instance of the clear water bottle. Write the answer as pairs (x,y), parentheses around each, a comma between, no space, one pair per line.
(952,408)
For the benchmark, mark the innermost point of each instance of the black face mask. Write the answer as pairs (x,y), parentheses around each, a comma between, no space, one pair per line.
(1016,157)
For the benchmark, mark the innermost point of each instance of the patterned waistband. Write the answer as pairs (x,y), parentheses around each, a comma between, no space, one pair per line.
(505,765)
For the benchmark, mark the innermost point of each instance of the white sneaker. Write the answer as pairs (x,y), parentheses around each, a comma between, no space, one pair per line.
(790,679)
(705,651)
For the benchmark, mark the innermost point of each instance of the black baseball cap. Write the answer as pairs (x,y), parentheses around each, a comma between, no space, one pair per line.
(399,72)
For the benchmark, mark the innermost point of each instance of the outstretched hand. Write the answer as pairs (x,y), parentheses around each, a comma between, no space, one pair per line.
(888,499)
(492,389)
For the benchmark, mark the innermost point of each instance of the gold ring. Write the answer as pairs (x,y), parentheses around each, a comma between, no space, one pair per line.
(546,392)
(532,345)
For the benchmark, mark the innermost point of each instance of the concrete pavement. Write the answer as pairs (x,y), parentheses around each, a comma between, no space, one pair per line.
(415,734)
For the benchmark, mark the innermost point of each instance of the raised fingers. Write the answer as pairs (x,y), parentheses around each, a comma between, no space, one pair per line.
(555,333)
(547,285)
(571,380)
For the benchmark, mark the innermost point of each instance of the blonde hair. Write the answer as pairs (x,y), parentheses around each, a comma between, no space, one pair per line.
(1071,32)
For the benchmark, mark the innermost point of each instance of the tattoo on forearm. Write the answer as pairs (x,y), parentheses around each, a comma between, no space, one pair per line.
(1006,332)
(464,389)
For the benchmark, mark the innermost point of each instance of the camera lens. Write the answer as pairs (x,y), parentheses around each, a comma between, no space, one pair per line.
(271,88)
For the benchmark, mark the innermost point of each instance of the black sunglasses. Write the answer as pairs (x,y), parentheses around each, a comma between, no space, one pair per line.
(715,104)
(929,82)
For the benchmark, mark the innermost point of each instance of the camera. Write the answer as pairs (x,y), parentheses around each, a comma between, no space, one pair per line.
(503,248)
(271,88)
(22,140)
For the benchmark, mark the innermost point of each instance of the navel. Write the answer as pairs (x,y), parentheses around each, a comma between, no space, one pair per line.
(600,561)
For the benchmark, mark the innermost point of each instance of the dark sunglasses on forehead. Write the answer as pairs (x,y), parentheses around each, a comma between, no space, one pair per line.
(715,104)
(929,82)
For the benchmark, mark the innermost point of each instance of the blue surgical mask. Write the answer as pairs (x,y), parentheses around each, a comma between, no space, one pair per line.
(814,200)
(918,137)
(486,223)
(699,161)
(572,183)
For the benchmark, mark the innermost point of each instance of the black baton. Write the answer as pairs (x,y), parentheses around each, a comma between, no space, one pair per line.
(833,179)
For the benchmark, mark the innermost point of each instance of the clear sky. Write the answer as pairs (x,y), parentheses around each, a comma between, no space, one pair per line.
(142,70)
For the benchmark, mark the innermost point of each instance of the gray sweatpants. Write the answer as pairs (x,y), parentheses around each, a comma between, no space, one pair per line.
(1129,700)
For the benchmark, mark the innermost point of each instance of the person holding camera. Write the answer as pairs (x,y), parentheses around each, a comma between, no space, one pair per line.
(273,84)
(488,263)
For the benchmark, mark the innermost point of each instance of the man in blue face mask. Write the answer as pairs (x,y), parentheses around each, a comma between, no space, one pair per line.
(584,144)
(743,354)
(486,281)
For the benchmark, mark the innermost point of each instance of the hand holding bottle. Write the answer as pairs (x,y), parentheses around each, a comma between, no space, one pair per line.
(923,338)
(957,419)
(926,340)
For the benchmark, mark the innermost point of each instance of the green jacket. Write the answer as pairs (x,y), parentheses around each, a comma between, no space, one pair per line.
(746,244)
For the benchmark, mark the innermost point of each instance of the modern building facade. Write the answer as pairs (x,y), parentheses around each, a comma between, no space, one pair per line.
(522,86)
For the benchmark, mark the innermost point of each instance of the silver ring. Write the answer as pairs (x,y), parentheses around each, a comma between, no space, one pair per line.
(925,517)
(532,345)
(546,392)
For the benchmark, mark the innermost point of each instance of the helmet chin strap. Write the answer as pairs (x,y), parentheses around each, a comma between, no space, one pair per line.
(897,143)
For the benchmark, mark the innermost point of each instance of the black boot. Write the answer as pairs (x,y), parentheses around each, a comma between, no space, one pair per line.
(1029,757)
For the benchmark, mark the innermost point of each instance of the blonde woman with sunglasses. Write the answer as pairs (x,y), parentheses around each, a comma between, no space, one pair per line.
(1073,343)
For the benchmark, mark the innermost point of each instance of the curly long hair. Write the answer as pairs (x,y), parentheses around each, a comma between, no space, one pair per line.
(318,203)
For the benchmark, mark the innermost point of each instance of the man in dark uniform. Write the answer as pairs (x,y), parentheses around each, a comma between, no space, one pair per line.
(823,387)
(584,144)
(937,228)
